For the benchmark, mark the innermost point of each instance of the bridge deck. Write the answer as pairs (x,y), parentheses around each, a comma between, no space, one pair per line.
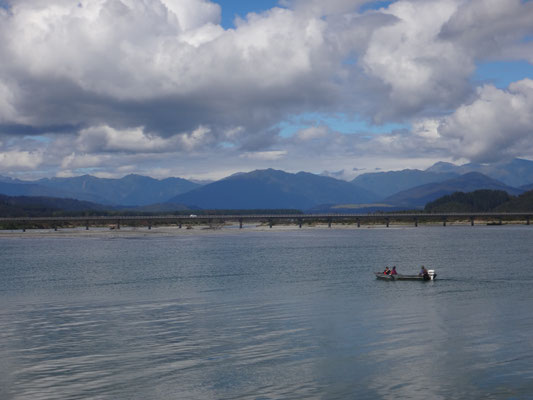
(271,218)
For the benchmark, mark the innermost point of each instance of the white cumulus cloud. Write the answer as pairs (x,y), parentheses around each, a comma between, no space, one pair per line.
(20,159)
(314,132)
(265,155)
(499,123)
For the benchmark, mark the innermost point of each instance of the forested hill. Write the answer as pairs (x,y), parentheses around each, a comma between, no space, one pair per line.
(482,201)
(26,206)
(522,203)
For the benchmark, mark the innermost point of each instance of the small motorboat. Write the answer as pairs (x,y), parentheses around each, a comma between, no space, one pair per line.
(400,277)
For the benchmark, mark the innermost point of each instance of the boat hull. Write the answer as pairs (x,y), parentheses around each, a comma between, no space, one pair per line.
(401,277)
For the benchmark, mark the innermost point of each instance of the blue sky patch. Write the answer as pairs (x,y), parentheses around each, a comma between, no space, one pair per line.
(375,5)
(337,122)
(233,8)
(40,139)
(502,73)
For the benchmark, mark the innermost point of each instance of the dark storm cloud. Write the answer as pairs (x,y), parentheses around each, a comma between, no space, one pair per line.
(19,129)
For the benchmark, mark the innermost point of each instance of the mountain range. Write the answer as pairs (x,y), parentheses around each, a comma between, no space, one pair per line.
(384,184)
(517,172)
(131,190)
(275,189)
(419,196)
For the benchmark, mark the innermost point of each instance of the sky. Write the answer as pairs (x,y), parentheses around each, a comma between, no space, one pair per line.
(203,89)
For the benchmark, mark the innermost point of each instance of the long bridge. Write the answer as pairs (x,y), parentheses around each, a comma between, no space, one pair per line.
(386,219)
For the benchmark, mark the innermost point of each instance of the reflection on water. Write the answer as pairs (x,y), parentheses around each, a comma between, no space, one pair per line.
(268,315)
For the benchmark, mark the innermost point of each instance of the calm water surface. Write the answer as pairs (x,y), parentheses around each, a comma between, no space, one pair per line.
(269,315)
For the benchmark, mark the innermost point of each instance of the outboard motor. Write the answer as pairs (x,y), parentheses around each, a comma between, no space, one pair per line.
(432,274)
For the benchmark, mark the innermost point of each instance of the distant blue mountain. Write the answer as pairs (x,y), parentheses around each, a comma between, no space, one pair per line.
(17,188)
(385,184)
(421,195)
(517,172)
(444,167)
(514,173)
(131,190)
(39,206)
(274,189)
(526,188)
(6,179)
(270,189)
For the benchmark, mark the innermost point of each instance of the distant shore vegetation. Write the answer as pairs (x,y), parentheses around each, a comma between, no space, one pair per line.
(482,201)
(30,206)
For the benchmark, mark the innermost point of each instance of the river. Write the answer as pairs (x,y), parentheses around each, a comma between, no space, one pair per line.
(293,314)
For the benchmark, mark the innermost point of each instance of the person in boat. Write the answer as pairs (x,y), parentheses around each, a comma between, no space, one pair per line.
(424,273)
(393,272)
(387,271)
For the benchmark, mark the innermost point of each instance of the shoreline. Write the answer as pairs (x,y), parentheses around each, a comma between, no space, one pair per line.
(166,231)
